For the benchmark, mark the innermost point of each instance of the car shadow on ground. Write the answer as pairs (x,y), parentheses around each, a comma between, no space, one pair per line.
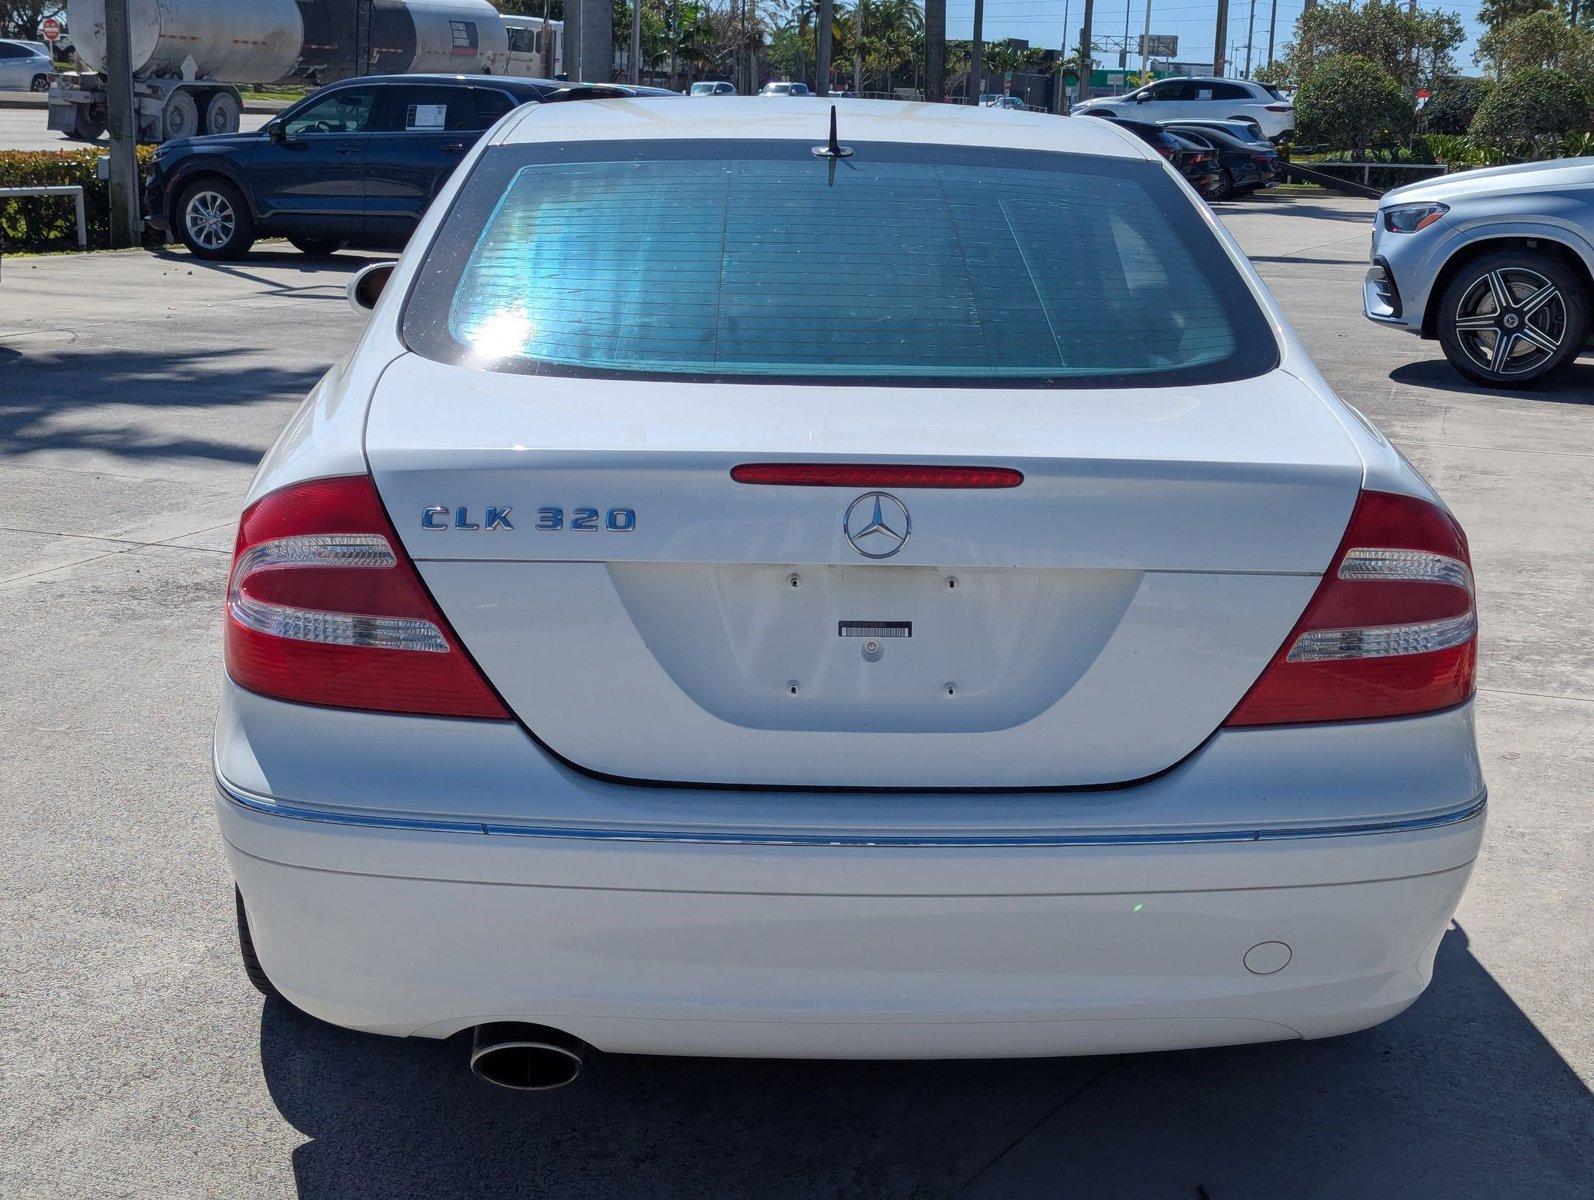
(279,256)
(1459,1096)
(1574,385)
(55,393)
(1300,206)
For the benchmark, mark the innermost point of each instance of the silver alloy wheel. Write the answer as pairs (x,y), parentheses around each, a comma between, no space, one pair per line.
(1511,320)
(210,219)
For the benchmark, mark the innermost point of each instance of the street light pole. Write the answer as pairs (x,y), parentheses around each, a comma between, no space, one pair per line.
(122,121)
(1062,65)
(1250,37)
(976,54)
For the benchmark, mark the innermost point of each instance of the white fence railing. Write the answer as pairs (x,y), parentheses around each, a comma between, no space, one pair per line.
(75,191)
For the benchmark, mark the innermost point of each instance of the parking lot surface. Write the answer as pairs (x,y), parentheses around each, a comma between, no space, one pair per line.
(24,129)
(137,392)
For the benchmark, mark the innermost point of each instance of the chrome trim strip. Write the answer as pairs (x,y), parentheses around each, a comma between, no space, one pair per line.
(261,804)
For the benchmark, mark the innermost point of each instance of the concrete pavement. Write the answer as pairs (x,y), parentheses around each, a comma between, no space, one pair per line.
(23,128)
(136,392)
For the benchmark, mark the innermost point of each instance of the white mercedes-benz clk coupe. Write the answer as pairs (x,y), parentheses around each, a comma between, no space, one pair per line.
(898,592)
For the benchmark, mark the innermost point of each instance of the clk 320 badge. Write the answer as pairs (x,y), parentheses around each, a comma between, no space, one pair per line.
(549,519)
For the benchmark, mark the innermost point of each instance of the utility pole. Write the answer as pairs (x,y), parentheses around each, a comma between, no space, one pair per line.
(827,15)
(545,45)
(1220,37)
(1250,38)
(1145,43)
(1272,28)
(857,47)
(1062,65)
(572,63)
(597,40)
(636,41)
(1123,49)
(1085,60)
(122,120)
(935,50)
(976,83)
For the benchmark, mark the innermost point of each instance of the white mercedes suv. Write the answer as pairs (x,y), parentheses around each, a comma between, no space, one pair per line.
(894,592)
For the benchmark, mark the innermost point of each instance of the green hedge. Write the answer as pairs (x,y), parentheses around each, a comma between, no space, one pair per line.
(1531,108)
(49,222)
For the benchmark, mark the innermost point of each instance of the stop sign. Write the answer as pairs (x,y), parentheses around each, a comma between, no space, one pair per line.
(50,30)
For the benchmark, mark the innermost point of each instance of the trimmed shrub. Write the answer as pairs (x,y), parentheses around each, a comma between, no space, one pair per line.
(1350,101)
(49,222)
(1532,106)
(1454,104)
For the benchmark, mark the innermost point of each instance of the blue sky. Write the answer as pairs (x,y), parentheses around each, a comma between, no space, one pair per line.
(1192,21)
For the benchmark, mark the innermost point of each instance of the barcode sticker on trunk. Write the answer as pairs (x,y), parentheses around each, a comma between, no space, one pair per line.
(874,629)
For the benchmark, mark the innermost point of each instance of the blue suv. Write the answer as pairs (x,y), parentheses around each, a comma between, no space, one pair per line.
(355,163)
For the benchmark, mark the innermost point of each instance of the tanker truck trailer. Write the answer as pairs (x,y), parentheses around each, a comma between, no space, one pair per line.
(189,56)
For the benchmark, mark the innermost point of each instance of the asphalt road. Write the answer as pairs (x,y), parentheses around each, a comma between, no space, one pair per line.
(136,394)
(24,129)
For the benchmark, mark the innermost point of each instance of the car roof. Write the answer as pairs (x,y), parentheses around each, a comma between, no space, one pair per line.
(809,117)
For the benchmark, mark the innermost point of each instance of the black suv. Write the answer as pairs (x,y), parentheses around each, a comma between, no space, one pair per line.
(354,163)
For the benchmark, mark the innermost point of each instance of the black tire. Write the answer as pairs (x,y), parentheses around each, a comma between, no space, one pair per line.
(246,951)
(213,220)
(318,247)
(1543,322)
(40,83)
(1224,188)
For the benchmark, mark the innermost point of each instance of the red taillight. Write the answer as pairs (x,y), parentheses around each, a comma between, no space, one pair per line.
(1280,108)
(1201,157)
(325,607)
(1167,152)
(876,475)
(1390,631)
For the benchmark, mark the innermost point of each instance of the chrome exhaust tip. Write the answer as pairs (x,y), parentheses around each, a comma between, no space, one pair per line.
(526,1058)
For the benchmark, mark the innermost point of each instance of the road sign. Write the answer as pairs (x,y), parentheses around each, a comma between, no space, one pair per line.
(50,30)
(1159,45)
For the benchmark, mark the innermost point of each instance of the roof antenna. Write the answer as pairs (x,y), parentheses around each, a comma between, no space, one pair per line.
(835,150)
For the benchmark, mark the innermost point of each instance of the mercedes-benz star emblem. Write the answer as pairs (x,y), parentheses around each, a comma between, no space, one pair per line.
(877,524)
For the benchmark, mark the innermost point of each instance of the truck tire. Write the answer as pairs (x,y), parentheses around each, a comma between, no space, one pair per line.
(246,951)
(222,112)
(213,219)
(87,125)
(1513,318)
(180,118)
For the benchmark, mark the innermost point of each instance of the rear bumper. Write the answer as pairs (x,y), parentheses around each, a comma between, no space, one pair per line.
(816,938)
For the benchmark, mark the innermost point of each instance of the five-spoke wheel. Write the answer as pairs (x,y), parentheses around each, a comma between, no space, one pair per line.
(1512,317)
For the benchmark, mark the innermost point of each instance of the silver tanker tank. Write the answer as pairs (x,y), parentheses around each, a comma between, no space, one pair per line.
(188,55)
(319,41)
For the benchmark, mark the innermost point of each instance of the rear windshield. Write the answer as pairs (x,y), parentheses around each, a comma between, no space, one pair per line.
(757,259)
